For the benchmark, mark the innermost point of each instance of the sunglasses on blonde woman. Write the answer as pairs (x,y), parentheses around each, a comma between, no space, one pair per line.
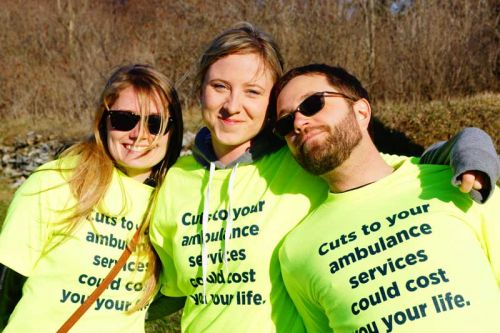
(121,120)
(309,107)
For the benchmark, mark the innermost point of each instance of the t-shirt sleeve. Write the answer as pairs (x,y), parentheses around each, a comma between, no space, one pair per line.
(299,288)
(490,213)
(24,231)
(161,237)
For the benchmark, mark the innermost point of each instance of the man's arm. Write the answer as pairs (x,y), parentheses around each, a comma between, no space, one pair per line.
(472,156)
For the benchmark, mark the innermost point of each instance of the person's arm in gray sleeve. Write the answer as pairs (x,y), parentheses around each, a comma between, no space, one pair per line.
(470,150)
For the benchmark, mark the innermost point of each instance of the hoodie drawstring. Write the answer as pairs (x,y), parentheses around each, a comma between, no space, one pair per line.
(229,223)
(204,221)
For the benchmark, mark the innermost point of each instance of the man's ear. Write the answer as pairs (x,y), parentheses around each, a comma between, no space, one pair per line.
(363,112)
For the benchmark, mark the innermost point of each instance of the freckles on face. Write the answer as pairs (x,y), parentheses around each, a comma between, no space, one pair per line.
(135,151)
(234,97)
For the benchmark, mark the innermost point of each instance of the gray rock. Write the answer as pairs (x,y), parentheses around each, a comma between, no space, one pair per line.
(19,160)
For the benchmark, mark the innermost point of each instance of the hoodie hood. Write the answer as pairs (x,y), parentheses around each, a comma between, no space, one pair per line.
(263,144)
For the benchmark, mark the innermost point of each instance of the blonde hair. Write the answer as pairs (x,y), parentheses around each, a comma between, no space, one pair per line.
(243,38)
(92,175)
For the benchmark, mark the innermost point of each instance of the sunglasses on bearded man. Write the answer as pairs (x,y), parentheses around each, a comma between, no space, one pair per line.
(121,120)
(309,107)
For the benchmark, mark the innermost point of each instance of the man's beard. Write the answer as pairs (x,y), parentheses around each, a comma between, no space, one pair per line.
(332,151)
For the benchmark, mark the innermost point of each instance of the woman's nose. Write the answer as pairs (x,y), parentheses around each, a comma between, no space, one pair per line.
(233,103)
(138,131)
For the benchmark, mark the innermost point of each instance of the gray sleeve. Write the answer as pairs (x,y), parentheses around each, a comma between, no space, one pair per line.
(471,149)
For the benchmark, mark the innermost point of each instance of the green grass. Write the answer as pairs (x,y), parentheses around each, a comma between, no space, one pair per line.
(170,324)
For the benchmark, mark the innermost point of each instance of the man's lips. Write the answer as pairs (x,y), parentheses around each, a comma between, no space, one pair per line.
(302,139)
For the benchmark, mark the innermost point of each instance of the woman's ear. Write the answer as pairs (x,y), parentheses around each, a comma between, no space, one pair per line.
(363,112)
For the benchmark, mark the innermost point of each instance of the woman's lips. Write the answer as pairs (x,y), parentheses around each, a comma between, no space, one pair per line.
(138,149)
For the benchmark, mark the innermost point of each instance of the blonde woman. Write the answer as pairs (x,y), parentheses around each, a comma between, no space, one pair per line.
(71,220)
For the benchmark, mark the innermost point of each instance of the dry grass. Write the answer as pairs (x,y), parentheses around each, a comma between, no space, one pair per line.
(68,128)
(56,55)
(6,194)
(426,123)
(422,123)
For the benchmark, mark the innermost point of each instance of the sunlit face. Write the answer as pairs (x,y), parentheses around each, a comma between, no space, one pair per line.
(135,151)
(234,97)
(321,142)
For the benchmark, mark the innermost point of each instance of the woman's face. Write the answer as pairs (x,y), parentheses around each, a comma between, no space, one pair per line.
(134,150)
(234,97)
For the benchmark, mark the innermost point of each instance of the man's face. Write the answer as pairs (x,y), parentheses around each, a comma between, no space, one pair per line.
(323,141)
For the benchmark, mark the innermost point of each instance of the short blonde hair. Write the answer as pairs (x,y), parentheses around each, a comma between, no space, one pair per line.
(243,38)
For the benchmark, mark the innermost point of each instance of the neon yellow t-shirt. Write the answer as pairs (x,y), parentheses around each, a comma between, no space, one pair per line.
(269,197)
(408,253)
(59,279)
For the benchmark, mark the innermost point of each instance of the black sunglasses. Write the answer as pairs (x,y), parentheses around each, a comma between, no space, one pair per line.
(126,120)
(309,107)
